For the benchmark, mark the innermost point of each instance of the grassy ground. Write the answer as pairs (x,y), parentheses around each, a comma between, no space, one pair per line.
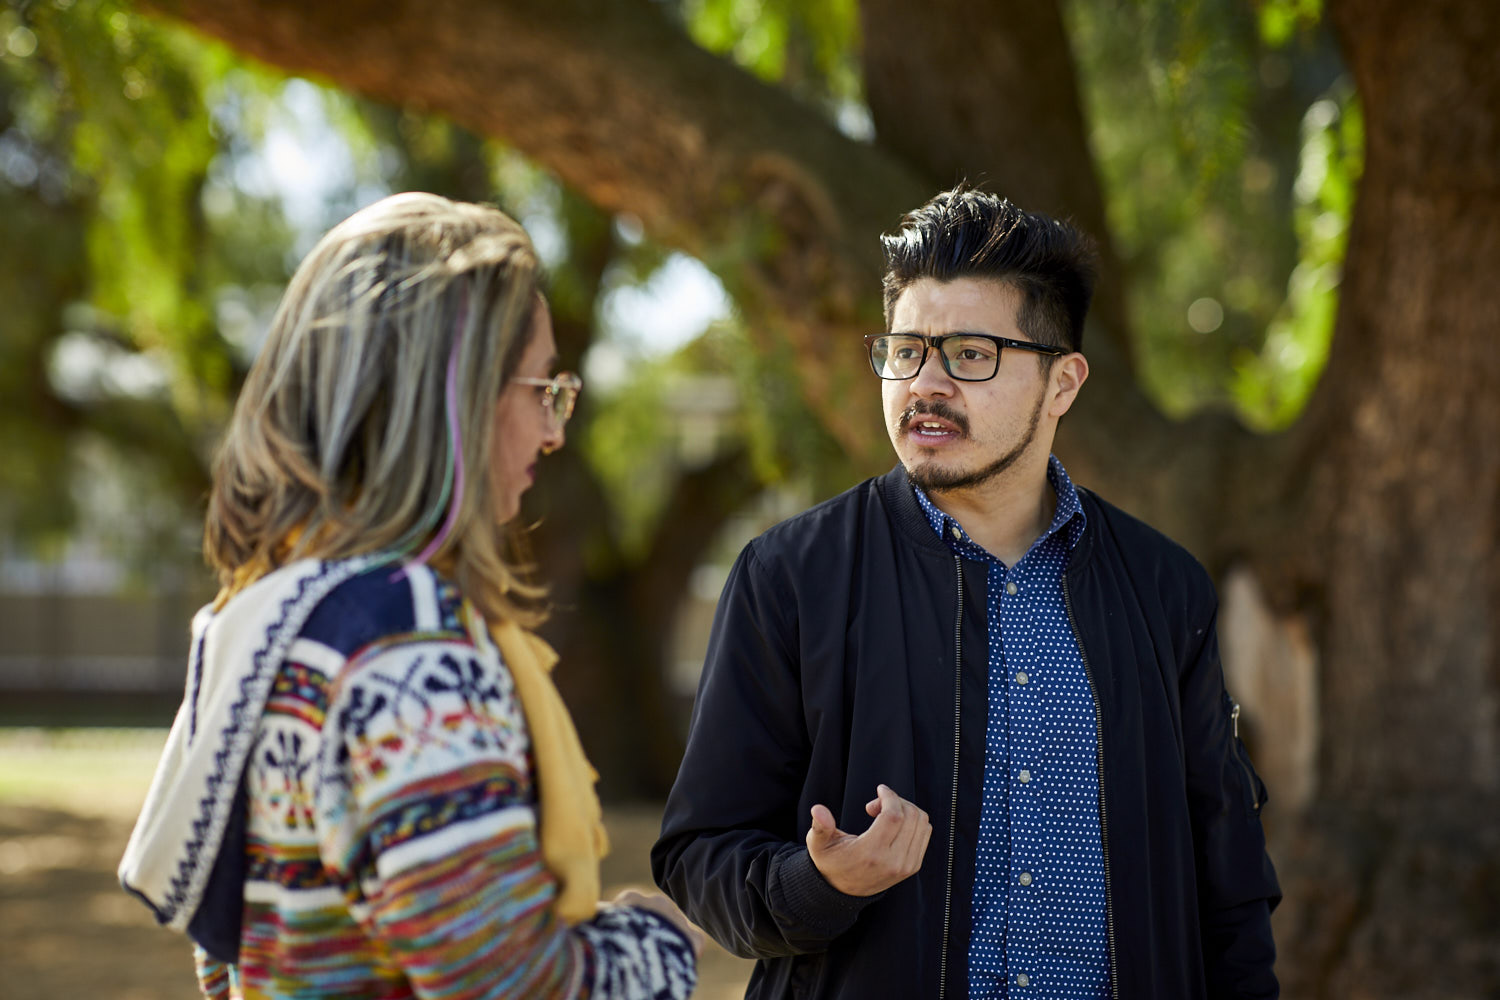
(67,800)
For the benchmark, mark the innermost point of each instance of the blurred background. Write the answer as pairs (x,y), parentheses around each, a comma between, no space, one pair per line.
(1293,350)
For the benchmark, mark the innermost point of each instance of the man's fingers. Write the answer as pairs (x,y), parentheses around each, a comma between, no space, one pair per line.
(890,816)
(926,836)
(911,843)
(909,831)
(889,851)
(823,832)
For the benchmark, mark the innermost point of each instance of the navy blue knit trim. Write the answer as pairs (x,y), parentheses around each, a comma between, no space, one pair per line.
(195,675)
(362,609)
(161,917)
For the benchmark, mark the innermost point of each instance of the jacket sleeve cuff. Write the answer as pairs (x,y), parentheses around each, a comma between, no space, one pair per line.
(805,904)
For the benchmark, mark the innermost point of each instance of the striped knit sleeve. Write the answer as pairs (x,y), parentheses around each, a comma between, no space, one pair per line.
(213,975)
(424,802)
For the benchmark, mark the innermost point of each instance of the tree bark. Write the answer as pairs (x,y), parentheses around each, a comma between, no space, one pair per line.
(1393,886)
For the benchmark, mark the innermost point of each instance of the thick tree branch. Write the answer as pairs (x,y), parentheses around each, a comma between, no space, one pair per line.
(623,106)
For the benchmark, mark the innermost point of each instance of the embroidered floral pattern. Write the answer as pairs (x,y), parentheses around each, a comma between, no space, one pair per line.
(397,715)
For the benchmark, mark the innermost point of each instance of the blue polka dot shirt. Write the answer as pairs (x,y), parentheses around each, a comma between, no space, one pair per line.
(1039,907)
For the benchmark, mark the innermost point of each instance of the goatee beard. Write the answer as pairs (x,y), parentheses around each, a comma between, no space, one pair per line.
(932,478)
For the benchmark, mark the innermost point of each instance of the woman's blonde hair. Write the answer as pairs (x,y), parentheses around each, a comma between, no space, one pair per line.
(365,423)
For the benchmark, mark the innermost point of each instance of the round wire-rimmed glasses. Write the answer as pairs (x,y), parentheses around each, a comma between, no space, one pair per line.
(559,395)
(967,357)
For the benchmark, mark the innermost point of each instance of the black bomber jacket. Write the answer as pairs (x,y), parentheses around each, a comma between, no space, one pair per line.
(847,643)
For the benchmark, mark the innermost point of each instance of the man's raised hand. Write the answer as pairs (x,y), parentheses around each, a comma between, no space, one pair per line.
(888,852)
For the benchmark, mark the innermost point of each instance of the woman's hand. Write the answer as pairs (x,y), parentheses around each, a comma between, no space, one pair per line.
(657,903)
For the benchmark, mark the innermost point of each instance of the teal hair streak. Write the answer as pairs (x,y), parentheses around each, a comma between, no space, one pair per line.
(451,497)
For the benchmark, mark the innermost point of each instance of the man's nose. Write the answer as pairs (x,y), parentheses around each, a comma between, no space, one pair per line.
(932,379)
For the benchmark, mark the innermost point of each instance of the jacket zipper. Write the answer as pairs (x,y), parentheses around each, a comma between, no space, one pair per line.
(958,687)
(1109,906)
(1234,717)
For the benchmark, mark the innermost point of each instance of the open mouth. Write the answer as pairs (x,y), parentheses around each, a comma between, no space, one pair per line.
(923,424)
(931,430)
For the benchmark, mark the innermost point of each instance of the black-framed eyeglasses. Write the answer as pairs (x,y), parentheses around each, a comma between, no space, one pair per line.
(967,357)
(559,397)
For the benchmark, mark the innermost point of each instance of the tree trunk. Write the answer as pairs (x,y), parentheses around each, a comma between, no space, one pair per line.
(1394,888)
(613,621)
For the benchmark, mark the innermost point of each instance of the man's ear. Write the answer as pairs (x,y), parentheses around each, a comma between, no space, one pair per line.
(1068,374)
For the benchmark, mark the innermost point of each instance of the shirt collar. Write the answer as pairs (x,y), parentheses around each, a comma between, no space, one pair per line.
(1067,520)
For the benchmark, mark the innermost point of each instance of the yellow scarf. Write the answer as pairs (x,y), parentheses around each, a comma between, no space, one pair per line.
(572,821)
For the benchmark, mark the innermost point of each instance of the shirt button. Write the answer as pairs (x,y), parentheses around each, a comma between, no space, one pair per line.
(1025,879)
(957,531)
(1025,776)
(1023,980)
(1012,589)
(1021,677)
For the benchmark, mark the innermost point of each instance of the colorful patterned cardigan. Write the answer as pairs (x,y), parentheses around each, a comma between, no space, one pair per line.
(391,834)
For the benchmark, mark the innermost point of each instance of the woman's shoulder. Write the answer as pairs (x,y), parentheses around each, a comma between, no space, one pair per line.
(383,603)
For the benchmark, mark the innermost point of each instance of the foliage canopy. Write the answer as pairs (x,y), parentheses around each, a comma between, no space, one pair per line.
(154,216)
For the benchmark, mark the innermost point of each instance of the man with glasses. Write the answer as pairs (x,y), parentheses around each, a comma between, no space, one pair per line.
(962,730)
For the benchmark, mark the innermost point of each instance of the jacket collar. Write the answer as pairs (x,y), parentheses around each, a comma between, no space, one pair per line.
(900,499)
(906,513)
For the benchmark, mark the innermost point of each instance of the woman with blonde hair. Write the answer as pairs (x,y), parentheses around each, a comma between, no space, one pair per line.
(372,788)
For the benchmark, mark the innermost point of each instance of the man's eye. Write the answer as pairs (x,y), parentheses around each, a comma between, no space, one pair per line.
(906,353)
(981,350)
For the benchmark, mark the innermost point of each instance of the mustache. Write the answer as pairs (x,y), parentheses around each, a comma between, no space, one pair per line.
(936,408)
